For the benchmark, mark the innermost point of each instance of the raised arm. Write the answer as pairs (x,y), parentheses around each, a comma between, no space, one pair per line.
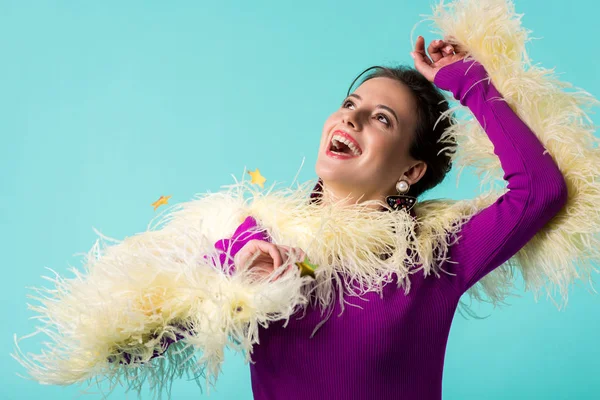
(537,189)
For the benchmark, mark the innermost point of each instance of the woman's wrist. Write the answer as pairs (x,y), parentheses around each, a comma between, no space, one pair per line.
(461,78)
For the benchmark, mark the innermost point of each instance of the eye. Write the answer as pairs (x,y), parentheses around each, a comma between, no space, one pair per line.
(383,119)
(346,103)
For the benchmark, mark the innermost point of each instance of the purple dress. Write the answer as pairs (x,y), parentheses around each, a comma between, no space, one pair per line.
(393,347)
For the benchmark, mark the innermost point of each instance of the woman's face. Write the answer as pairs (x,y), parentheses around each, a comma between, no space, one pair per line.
(364,144)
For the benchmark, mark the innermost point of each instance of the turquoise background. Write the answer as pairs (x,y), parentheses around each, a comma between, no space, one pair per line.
(105,106)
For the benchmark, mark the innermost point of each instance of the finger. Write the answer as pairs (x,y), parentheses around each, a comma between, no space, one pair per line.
(434,50)
(451,40)
(249,257)
(258,248)
(275,254)
(301,254)
(286,251)
(420,49)
(247,251)
(292,255)
(291,251)
(448,50)
(422,66)
(241,257)
(298,255)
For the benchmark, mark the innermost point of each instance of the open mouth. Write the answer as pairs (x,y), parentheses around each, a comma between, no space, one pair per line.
(342,146)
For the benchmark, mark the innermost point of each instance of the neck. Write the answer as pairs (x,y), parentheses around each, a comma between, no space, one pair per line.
(345,197)
(318,195)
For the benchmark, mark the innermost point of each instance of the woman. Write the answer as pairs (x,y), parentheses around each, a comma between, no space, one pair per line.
(392,346)
(372,320)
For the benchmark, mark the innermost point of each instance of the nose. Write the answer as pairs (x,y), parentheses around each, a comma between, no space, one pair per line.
(351,117)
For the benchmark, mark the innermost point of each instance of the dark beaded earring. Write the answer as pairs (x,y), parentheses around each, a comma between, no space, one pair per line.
(400,200)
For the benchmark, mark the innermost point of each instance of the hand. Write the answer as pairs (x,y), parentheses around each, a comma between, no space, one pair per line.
(266,257)
(442,53)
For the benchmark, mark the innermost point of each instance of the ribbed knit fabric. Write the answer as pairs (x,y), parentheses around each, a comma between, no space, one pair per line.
(393,347)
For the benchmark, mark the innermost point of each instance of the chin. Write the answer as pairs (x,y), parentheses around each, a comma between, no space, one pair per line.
(326,171)
(334,175)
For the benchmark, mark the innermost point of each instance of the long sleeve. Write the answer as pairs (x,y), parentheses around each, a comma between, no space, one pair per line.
(536,187)
(228,248)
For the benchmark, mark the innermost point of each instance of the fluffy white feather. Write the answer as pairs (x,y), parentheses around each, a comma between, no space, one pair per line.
(568,247)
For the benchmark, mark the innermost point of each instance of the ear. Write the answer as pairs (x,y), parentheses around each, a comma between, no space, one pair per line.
(416,172)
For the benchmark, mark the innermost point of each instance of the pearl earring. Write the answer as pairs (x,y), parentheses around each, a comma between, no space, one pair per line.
(402,186)
(401,201)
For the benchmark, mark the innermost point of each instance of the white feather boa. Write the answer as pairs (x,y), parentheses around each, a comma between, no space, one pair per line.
(135,295)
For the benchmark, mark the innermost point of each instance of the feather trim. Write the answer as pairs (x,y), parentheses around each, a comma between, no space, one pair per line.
(347,242)
(568,247)
(137,296)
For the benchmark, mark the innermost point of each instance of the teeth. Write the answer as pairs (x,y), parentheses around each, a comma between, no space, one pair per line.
(340,139)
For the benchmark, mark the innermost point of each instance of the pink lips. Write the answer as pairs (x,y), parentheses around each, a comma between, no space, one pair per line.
(347,136)
(329,153)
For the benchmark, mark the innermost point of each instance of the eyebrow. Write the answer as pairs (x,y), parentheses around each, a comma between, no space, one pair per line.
(380,106)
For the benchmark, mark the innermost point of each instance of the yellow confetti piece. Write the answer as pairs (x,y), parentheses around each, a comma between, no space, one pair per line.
(162,200)
(257,178)
(306,268)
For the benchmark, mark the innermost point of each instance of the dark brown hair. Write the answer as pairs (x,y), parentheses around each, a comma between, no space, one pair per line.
(431,105)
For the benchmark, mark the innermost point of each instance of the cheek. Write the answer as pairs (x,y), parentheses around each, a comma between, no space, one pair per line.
(328,126)
(330,122)
(390,151)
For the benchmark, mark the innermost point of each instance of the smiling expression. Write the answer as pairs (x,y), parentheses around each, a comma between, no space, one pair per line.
(365,144)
